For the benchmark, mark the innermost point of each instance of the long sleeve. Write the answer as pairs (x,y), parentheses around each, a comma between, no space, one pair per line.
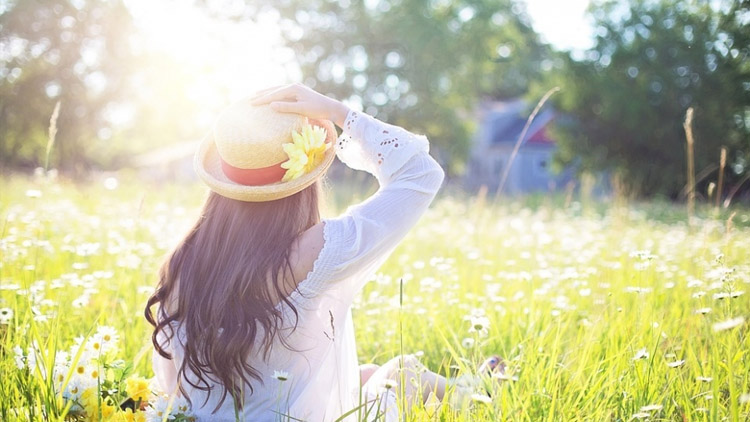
(359,240)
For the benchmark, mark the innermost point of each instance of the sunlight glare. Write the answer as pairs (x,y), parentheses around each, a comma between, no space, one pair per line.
(221,60)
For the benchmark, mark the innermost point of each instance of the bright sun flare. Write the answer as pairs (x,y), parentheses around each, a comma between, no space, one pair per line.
(221,58)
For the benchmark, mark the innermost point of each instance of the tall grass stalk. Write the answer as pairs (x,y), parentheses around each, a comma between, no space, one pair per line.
(722,164)
(522,138)
(688,125)
(51,135)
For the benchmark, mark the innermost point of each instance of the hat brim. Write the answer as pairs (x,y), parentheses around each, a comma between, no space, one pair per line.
(207,165)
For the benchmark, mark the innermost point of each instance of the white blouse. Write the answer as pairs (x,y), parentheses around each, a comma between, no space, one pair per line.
(323,372)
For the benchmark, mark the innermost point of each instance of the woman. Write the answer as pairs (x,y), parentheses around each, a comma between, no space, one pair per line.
(254,304)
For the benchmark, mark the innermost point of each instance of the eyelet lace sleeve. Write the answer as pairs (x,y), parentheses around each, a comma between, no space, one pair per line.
(357,242)
(376,147)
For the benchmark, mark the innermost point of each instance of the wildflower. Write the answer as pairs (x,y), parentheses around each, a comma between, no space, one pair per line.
(6,315)
(281,375)
(75,388)
(31,353)
(703,311)
(651,408)
(107,338)
(641,415)
(704,379)
(641,354)
(467,343)
(134,416)
(137,388)
(676,364)
(389,384)
(20,358)
(479,323)
(181,406)
(305,152)
(730,295)
(745,398)
(158,409)
(118,416)
(481,398)
(80,368)
(81,301)
(91,401)
(34,193)
(729,324)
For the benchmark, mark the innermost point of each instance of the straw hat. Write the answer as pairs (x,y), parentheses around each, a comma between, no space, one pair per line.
(241,159)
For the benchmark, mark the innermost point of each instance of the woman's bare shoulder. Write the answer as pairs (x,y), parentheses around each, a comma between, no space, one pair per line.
(303,254)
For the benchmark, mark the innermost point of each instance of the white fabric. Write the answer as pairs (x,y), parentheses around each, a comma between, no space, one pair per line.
(323,369)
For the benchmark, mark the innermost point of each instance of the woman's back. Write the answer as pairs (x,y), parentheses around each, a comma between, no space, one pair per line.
(314,344)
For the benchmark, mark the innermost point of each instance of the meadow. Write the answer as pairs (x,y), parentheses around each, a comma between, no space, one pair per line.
(609,311)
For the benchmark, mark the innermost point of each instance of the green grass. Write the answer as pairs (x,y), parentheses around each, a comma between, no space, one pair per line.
(588,302)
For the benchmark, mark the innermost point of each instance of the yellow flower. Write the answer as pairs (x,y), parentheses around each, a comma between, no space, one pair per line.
(90,401)
(305,152)
(128,415)
(137,388)
(118,416)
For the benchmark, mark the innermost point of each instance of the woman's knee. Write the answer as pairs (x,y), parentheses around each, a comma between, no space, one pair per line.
(366,371)
(409,363)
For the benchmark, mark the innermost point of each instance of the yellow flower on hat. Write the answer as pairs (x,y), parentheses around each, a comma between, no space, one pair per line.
(305,152)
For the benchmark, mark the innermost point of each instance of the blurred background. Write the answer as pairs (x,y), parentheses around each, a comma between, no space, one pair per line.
(93,86)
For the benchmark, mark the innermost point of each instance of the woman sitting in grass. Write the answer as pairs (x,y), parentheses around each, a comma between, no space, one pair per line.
(254,319)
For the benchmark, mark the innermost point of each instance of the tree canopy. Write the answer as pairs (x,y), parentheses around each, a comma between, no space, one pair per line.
(625,103)
(421,64)
(59,51)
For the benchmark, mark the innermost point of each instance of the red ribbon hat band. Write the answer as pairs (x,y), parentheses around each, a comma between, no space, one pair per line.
(253,177)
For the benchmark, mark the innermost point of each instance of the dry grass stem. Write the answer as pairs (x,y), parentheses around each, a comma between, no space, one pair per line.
(722,165)
(688,125)
(522,137)
(51,134)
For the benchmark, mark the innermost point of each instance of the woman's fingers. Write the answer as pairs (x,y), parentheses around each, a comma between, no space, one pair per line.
(287,92)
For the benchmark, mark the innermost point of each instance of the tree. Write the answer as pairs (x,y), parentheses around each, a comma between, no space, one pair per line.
(626,101)
(418,63)
(75,52)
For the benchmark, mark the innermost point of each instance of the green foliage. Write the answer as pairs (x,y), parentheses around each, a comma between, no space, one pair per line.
(72,52)
(652,61)
(421,64)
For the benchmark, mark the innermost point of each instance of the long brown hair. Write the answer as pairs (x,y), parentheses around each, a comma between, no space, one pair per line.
(231,268)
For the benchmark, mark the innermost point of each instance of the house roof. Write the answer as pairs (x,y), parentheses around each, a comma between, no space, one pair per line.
(505,121)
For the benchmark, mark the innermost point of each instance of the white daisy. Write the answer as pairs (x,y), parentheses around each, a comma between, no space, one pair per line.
(181,406)
(158,409)
(281,375)
(481,398)
(729,324)
(6,315)
(467,343)
(19,357)
(641,354)
(389,384)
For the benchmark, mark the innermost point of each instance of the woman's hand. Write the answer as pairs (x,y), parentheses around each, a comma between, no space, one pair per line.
(297,98)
